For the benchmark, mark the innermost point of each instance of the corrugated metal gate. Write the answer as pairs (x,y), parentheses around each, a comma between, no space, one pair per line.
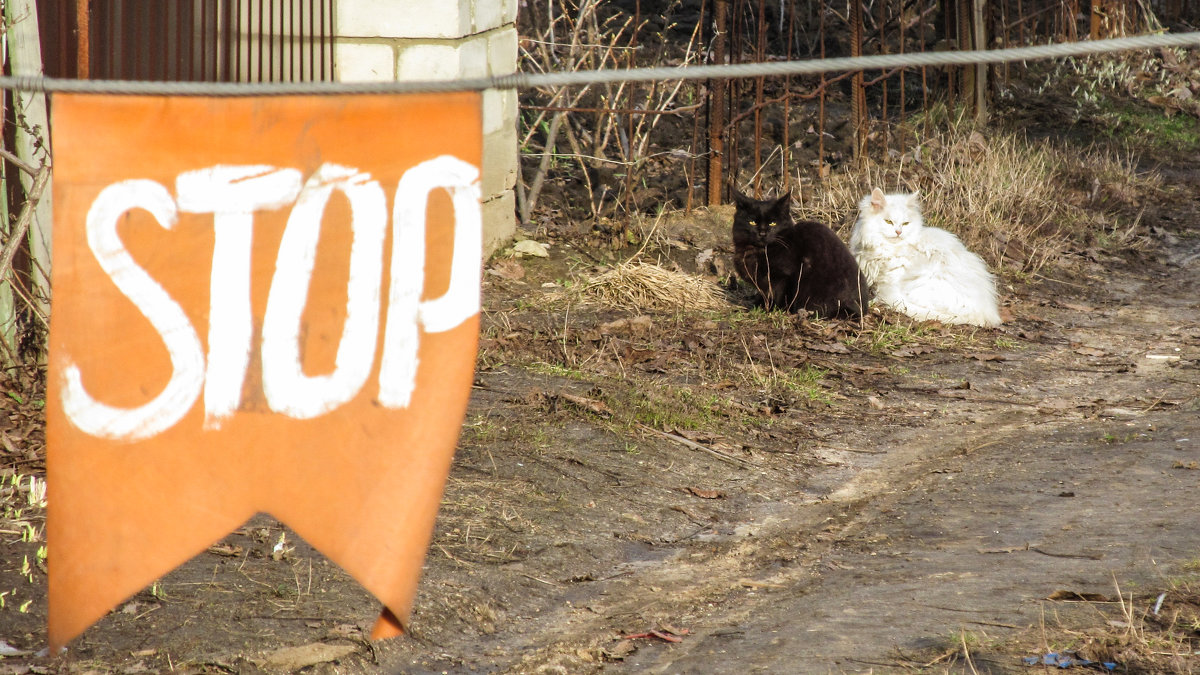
(188,40)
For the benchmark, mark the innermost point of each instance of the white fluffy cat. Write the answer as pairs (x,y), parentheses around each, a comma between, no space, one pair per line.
(921,271)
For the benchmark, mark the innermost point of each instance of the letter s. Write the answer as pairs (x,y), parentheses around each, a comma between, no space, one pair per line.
(164,314)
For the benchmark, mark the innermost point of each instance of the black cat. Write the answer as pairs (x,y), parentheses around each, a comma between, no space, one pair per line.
(795,265)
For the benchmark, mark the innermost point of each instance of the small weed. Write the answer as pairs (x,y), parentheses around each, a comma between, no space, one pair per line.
(483,430)
(557,370)
(1004,343)
(887,337)
(804,382)
(664,406)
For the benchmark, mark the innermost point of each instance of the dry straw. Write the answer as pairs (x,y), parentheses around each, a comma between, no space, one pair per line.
(640,285)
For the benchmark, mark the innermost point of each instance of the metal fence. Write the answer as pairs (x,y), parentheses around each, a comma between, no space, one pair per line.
(739,126)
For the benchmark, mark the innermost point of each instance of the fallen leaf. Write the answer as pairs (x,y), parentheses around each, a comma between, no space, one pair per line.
(640,325)
(875,402)
(706,494)
(988,357)
(1075,596)
(1120,413)
(533,248)
(691,434)
(1090,351)
(303,656)
(1075,306)
(619,651)
(666,637)
(9,650)
(829,347)
(227,550)
(590,404)
(750,583)
(507,269)
(913,351)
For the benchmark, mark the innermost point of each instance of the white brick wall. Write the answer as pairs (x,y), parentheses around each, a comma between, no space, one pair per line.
(444,39)
(445,19)
(365,62)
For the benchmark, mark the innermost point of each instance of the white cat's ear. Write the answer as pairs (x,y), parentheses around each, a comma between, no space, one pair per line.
(915,198)
(877,200)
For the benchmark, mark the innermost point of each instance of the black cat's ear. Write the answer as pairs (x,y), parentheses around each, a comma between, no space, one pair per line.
(741,199)
(782,204)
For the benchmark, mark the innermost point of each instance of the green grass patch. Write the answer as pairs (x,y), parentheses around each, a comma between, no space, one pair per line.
(1142,127)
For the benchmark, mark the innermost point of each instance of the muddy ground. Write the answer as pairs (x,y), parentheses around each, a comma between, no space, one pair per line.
(728,491)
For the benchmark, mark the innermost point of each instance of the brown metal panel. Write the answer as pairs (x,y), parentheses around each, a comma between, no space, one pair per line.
(161,40)
(259,39)
(190,40)
(270,36)
(226,42)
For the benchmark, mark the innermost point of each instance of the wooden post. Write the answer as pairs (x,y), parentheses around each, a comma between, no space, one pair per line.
(32,138)
(980,41)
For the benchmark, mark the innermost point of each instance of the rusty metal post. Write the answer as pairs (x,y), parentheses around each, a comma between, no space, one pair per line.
(924,80)
(630,157)
(733,154)
(82,58)
(821,105)
(691,170)
(760,55)
(858,100)
(883,86)
(717,102)
(787,101)
(903,94)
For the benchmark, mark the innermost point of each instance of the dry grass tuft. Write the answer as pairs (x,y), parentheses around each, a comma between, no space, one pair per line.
(1018,203)
(1163,636)
(640,286)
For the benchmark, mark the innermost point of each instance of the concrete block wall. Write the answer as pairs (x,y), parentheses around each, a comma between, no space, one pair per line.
(444,39)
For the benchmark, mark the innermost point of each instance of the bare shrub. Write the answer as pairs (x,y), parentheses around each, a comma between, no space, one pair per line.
(1018,202)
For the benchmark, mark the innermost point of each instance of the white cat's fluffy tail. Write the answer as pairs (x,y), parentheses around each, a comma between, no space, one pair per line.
(959,290)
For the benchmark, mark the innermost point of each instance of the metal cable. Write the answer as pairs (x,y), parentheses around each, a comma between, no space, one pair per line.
(576,78)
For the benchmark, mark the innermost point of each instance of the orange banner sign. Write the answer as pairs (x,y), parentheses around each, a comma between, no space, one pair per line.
(260,305)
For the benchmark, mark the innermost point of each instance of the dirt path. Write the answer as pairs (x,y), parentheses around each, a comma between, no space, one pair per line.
(834,512)
(946,503)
